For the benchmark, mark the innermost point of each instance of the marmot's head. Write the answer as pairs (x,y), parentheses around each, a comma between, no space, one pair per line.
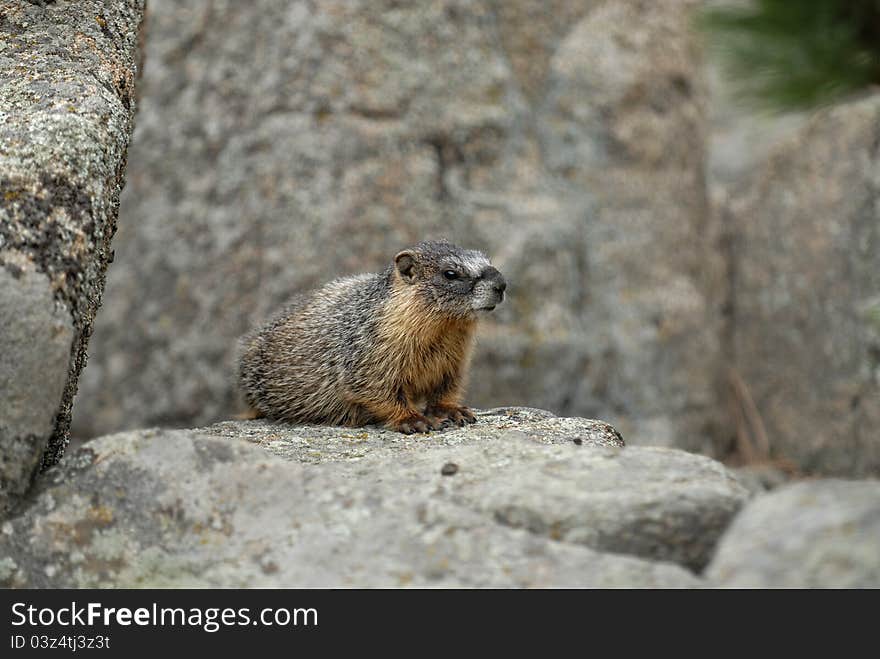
(451,280)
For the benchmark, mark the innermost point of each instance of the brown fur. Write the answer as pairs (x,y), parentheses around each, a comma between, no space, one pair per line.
(421,355)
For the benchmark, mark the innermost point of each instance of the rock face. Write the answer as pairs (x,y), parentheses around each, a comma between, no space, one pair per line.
(626,120)
(806,292)
(283,143)
(521,498)
(67,83)
(822,534)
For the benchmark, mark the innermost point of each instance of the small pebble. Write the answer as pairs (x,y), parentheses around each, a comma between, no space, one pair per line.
(449,469)
(578,441)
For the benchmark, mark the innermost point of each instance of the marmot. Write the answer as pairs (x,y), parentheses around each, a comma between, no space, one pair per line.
(391,347)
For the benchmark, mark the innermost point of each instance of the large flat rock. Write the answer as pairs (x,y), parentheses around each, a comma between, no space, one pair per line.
(512,501)
(517,466)
(314,444)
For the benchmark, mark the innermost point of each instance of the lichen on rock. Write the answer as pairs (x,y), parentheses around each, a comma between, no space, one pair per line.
(67,105)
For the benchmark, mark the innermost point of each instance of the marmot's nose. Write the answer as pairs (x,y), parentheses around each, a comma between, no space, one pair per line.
(499,285)
(492,275)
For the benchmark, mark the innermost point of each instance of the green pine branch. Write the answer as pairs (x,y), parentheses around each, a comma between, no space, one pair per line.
(796,54)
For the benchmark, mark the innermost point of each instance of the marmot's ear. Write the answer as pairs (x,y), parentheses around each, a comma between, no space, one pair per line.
(406,266)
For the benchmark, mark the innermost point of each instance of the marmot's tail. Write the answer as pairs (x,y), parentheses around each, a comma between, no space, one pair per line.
(248,415)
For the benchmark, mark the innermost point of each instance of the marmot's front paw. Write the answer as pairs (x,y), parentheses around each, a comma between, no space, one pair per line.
(457,414)
(415,422)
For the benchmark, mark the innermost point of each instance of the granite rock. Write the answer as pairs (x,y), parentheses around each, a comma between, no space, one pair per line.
(67,106)
(249,503)
(813,534)
(805,302)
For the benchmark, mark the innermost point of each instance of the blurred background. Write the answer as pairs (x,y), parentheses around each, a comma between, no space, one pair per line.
(683,195)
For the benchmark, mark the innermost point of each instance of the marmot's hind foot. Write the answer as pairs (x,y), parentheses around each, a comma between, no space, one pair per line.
(415,422)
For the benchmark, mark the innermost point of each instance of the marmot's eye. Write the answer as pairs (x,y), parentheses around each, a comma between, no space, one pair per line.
(450,274)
